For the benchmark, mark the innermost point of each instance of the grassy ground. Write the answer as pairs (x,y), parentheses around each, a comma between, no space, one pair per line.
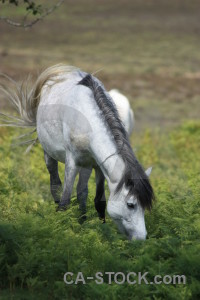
(150,51)
(38,245)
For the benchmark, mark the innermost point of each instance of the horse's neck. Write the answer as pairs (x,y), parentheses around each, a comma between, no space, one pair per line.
(105,152)
(113,168)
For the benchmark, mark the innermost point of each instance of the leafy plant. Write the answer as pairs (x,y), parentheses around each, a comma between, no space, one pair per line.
(38,246)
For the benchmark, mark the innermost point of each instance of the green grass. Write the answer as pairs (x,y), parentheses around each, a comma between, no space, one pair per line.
(149,50)
(39,245)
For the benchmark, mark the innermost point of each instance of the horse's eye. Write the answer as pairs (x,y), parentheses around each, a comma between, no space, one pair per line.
(131,205)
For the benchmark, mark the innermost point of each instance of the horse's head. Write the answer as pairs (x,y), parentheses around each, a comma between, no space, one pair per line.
(128,213)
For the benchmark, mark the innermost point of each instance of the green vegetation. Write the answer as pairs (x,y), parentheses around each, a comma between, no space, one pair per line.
(39,245)
(30,6)
(149,50)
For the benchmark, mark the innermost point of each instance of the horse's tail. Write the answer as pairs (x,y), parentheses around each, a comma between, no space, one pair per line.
(25,97)
(24,101)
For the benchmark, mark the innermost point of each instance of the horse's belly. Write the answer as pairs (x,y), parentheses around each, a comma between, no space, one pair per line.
(51,139)
(58,140)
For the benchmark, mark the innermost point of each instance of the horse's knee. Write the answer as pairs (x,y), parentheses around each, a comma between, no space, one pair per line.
(51,167)
(82,192)
(82,198)
(51,164)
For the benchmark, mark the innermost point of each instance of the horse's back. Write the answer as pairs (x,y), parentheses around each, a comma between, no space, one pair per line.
(68,119)
(124,109)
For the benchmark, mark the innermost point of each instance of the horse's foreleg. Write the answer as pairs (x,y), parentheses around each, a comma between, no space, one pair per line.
(70,174)
(100,199)
(55,182)
(82,188)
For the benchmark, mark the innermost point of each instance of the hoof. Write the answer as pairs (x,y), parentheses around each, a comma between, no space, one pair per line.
(61,208)
(101,216)
(102,219)
(82,219)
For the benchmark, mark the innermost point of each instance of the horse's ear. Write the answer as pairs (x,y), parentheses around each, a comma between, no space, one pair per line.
(148,171)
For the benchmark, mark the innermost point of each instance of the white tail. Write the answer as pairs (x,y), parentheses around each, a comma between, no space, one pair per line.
(26,97)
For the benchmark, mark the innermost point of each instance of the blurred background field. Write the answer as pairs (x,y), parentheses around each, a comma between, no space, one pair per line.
(149,50)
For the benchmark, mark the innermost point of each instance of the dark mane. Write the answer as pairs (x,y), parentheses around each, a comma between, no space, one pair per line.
(134,177)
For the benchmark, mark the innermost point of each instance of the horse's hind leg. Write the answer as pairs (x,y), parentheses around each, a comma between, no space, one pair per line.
(82,188)
(100,199)
(55,182)
(70,174)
